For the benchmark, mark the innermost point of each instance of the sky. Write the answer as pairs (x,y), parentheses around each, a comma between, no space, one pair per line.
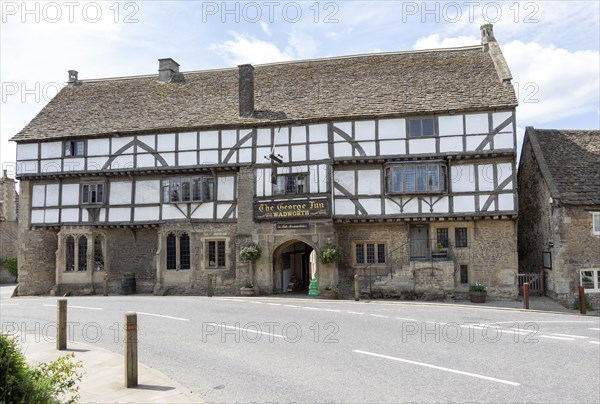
(552,47)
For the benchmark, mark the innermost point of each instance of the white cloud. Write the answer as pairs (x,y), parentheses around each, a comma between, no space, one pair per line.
(265,27)
(246,49)
(433,41)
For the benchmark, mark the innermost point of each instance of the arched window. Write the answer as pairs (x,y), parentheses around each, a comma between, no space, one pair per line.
(82,253)
(171,251)
(99,248)
(184,251)
(70,253)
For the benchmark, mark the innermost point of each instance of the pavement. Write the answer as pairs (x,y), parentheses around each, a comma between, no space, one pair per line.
(104,370)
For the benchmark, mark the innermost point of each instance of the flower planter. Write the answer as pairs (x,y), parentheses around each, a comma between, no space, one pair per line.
(247,292)
(330,294)
(128,285)
(477,297)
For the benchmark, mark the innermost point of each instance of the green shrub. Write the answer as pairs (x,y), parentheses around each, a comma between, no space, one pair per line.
(477,287)
(330,253)
(250,252)
(54,382)
(588,304)
(10,264)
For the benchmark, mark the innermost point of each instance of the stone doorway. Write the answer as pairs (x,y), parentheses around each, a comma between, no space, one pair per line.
(294,266)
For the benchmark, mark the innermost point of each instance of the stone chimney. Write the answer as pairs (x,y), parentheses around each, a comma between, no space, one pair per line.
(73,76)
(246,85)
(4,174)
(490,45)
(168,71)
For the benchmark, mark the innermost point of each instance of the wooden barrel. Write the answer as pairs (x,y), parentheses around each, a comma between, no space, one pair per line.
(128,285)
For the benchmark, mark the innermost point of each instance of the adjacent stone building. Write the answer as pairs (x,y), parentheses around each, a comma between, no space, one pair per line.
(9,205)
(559,210)
(406,160)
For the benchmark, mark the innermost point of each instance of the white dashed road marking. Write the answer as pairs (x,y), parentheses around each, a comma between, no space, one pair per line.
(569,336)
(75,307)
(355,312)
(290,305)
(274,304)
(561,338)
(594,342)
(163,316)
(460,372)
(247,330)
(379,315)
(595,329)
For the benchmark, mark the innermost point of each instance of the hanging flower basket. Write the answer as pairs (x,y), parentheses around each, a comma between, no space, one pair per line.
(330,254)
(250,252)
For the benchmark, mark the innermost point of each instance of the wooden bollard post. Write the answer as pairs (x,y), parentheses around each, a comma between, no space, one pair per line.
(582,308)
(131,351)
(526,296)
(356,289)
(105,284)
(61,324)
(210,285)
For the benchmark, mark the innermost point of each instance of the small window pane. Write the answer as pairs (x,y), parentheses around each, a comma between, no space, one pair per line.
(171,251)
(221,254)
(212,254)
(185,190)
(209,187)
(301,184)
(165,185)
(82,253)
(421,179)
(280,186)
(370,253)
(428,127)
(99,253)
(381,253)
(70,254)
(587,279)
(432,178)
(464,274)
(360,254)
(184,251)
(197,189)
(460,235)
(79,148)
(100,194)
(442,237)
(175,191)
(414,127)
(596,217)
(85,194)
(290,185)
(409,178)
(397,174)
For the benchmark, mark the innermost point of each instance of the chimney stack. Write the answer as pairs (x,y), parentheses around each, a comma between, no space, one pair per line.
(168,71)
(246,84)
(491,46)
(5,174)
(73,76)
(487,36)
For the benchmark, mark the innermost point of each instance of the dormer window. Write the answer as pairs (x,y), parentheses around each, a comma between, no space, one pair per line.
(74,148)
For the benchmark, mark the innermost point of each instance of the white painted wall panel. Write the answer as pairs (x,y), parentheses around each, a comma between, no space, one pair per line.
(504,171)
(120,193)
(69,215)
(342,149)
(391,147)
(482,201)
(171,212)
(98,147)
(166,142)
(27,167)
(120,142)
(317,133)
(51,150)
(27,151)
(392,129)
(188,141)
(299,169)
(451,144)
(282,136)
(147,192)
(70,194)
(323,175)
(209,157)
(52,194)
(364,130)
(441,206)
(346,180)
(319,151)
(96,163)
(412,206)
(226,188)
(37,216)
(421,146)
(485,173)
(149,140)
(119,215)
(228,138)
(267,180)
(38,196)
(50,166)
(503,141)
(51,216)
(245,155)
(344,207)
(391,208)
(74,164)
(476,123)
(298,134)
(84,215)
(222,210)
(123,162)
(369,182)
(145,214)
(188,158)
(263,137)
(344,126)
(372,205)
(259,174)
(146,160)
(101,215)
(368,147)
(450,125)
(298,153)
(474,141)
(261,152)
(506,202)
(204,211)
(499,117)
(464,204)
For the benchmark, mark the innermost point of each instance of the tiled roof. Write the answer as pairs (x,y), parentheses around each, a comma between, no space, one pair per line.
(390,84)
(570,161)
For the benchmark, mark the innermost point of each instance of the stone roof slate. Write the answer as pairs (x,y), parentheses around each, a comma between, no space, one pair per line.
(570,163)
(374,85)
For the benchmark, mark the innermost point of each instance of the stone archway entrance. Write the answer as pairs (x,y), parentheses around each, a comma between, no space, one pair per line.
(294,266)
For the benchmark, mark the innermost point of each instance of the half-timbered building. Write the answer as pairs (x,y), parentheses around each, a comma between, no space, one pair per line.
(406,160)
